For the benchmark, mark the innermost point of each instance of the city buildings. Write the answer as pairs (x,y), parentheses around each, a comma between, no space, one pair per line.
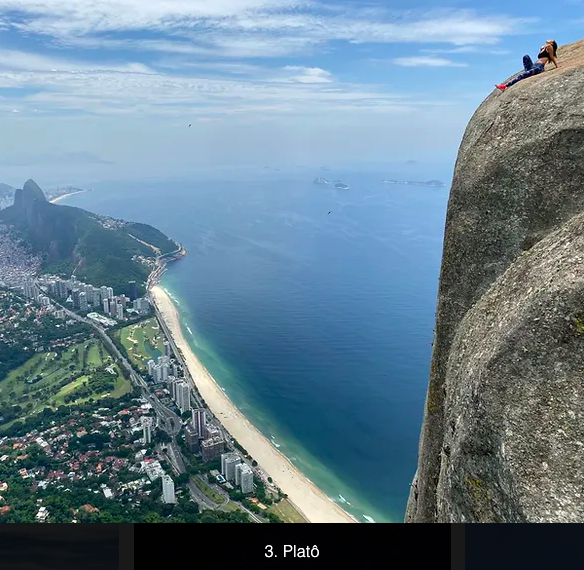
(120,311)
(212,448)
(42,515)
(105,305)
(133,290)
(147,430)
(244,477)
(192,439)
(199,422)
(211,431)
(182,396)
(83,301)
(228,463)
(168,489)
(151,365)
(167,349)
(99,319)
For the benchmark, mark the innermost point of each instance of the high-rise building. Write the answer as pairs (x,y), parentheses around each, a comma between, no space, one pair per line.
(144,306)
(168,489)
(133,290)
(103,292)
(163,360)
(182,396)
(228,463)
(110,293)
(75,296)
(147,429)
(211,431)
(244,477)
(30,290)
(52,288)
(212,448)
(120,311)
(174,367)
(44,301)
(199,421)
(106,305)
(83,301)
(151,365)
(62,288)
(167,349)
(191,439)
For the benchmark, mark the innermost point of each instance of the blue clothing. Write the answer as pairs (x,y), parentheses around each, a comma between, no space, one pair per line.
(530,69)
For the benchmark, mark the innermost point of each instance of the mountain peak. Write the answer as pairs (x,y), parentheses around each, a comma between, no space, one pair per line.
(33,190)
(27,199)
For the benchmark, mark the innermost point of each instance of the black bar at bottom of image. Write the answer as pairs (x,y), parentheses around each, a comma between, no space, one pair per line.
(317,545)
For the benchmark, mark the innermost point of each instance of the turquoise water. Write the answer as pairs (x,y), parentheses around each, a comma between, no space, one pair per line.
(317,326)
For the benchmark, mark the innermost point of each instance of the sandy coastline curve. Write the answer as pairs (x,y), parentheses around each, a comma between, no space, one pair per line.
(59,198)
(305,496)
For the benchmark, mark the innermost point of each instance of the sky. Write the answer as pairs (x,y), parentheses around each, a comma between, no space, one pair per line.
(100,89)
(59,547)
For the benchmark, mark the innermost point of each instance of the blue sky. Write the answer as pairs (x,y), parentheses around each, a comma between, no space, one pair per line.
(94,89)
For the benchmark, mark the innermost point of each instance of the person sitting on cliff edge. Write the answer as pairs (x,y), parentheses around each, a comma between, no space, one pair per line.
(546,54)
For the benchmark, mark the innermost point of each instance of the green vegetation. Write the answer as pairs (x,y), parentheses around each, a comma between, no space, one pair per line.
(80,373)
(100,250)
(217,498)
(152,236)
(286,512)
(31,333)
(140,342)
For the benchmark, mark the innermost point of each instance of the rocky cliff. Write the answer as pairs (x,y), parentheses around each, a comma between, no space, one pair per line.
(503,432)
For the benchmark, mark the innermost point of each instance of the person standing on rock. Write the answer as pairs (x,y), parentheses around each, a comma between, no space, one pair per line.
(546,54)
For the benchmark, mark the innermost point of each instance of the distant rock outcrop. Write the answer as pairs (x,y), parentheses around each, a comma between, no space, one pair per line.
(503,432)
(101,250)
(28,199)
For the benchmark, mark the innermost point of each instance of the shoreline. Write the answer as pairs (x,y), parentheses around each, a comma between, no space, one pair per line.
(306,497)
(55,200)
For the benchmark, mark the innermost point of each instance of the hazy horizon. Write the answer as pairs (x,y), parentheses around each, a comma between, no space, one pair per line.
(94,90)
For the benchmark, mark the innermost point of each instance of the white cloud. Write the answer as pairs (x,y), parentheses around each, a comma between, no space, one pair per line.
(469,49)
(135,89)
(420,61)
(309,74)
(25,61)
(246,28)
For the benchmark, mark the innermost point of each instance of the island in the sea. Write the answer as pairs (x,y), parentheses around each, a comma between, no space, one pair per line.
(435,183)
(341,186)
(321,181)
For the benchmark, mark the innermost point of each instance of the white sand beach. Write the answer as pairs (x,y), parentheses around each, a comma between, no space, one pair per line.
(305,496)
(59,198)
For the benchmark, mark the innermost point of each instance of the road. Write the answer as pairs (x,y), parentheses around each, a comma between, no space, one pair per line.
(168,420)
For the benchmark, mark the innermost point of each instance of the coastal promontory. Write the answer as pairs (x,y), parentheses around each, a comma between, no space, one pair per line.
(503,427)
(68,240)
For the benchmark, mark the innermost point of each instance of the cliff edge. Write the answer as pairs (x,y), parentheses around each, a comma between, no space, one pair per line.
(503,438)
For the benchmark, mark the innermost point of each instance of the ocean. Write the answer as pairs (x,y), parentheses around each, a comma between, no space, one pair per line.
(312,307)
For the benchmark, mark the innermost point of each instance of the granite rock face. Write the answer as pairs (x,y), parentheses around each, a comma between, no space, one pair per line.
(502,432)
